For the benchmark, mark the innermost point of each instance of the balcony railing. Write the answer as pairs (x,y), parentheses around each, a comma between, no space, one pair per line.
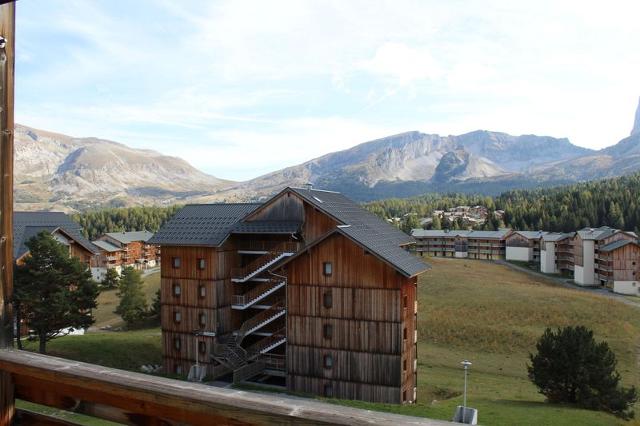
(135,398)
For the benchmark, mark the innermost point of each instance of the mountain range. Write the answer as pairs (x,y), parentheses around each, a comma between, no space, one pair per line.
(54,171)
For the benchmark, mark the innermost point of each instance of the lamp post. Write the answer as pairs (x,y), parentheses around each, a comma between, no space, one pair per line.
(465,364)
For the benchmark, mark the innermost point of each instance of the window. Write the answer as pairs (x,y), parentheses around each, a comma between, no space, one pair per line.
(202,347)
(177,344)
(328,390)
(175,262)
(327,361)
(201,264)
(405,302)
(202,291)
(177,316)
(327,299)
(177,290)
(404,334)
(404,396)
(404,365)
(203,319)
(327,331)
(327,269)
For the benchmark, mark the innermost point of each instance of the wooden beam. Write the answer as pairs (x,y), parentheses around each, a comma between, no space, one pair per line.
(7,64)
(143,399)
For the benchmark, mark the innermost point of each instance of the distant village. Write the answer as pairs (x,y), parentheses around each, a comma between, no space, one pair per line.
(460,217)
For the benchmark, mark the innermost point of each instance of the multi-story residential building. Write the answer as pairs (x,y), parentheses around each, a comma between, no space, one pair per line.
(618,266)
(524,246)
(461,244)
(587,244)
(556,253)
(307,287)
(27,225)
(121,249)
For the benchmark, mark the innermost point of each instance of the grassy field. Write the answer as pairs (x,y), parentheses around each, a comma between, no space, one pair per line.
(493,315)
(108,301)
(487,313)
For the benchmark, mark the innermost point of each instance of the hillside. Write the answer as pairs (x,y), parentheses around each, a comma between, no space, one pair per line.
(59,171)
(63,172)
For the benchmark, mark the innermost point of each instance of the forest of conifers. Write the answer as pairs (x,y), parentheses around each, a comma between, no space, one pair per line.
(613,202)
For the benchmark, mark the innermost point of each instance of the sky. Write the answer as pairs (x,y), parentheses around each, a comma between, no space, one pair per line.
(242,88)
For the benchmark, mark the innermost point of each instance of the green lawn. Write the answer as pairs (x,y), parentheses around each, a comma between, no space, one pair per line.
(493,315)
(108,301)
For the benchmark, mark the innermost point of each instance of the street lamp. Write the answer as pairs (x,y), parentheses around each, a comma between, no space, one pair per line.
(465,364)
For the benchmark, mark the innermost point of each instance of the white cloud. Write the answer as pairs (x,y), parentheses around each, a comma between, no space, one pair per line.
(402,64)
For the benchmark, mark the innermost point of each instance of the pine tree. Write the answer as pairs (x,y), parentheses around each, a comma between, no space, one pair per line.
(571,367)
(133,305)
(111,279)
(436,223)
(54,292)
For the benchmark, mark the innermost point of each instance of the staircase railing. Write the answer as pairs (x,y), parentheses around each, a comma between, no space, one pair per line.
(256,292)
(248,371)
(265,259)
(262,317)
(260,345)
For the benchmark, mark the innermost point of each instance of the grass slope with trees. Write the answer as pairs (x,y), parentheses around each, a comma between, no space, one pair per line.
(484,312)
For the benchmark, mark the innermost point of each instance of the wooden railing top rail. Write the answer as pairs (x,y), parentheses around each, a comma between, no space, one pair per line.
(137,398)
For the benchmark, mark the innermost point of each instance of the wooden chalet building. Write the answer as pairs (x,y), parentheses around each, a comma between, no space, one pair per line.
(556,253)
(121,249)
(307,288)
(524,246)
(488,245)
(27,225)
(587,245)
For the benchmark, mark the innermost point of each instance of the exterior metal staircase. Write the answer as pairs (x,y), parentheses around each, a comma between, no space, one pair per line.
(256,294)
(259,265)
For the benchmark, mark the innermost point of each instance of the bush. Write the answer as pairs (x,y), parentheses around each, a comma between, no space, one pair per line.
(571,367)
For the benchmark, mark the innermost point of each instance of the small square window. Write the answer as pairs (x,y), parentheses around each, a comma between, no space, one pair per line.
(327,299)
(201,264)
(202,291)
(177,290)
(327,361)
(202,347)
(404,396)
(203,319)
(405,302)
(177,316)
(328,390)
(404,365)
(175,262)
(327,331)
(327,269)
(177,344)
(405,334)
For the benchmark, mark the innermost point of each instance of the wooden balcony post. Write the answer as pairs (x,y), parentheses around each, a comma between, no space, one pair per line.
(7,65)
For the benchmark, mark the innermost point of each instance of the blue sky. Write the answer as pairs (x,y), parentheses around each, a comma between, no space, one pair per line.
(241,88)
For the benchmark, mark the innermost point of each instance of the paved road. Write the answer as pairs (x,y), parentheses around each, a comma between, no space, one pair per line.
(568,284)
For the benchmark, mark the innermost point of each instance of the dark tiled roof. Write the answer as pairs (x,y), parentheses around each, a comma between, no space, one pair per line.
(29,224)
(266,227)
(347,212)
(202,225)
(366,229)
(400,259)
(131,236)
(558,236)
(106,246)
(596,233)
(617,244)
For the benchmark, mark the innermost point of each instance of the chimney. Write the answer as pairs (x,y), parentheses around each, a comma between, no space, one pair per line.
(308,186)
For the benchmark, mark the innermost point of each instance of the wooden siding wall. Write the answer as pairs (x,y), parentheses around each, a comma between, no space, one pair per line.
(517,240)
(578,250)
(410,344)
(367,319)
(216,304)
(626,263)
(316,223)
